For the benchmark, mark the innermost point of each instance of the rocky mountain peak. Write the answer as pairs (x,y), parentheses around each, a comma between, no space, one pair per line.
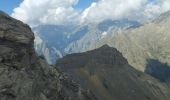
(102,55)
(106,46)
(14,30)
(16,42)
(3,14)
(108,54)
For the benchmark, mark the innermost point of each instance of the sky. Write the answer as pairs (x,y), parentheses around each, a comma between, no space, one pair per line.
(38,12)
(9,5)
(83,4)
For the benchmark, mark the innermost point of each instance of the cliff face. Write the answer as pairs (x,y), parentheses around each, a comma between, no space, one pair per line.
(23,75)
(109,76)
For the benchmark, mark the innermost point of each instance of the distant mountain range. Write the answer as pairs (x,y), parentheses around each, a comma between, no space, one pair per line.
(51,40)
(54,41)
(141,44)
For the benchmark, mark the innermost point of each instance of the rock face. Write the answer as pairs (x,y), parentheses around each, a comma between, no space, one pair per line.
(23,75)
(14,31)
(109,76)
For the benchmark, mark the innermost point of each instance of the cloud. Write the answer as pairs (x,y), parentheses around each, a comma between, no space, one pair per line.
(46,11)
(152,10)
(165,5)
(35,12)
(117,9)
(111,9)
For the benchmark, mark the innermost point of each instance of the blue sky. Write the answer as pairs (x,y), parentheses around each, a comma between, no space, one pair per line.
(82,4)
(8,5)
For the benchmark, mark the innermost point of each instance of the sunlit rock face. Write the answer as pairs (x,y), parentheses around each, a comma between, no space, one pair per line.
(98,32)
(51,54)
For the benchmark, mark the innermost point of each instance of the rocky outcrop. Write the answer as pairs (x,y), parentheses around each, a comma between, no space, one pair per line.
(109,76)
(25,76)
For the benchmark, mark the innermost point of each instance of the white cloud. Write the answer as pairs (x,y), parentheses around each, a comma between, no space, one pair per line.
(62,12)
(165,5)
(112,9)
(152,10)
(46,11)
(117,9)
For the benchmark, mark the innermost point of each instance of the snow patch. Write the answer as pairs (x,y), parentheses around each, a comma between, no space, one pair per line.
(104,35)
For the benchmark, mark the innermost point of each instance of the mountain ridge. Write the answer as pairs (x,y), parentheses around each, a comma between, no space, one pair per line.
(109,76)
(65,39)
(147,41)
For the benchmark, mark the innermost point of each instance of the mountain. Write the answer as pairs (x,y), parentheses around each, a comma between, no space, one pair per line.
(59,40)
(109,76)
(24,75)
(146,47)
(98,32)
(140,44)
(100,74)
(51,40)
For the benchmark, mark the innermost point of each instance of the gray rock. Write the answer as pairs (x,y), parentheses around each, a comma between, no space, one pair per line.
(109,76)
(14,30)
(23,75)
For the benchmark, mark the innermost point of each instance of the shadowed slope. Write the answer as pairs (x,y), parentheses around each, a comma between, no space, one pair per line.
(107,73)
